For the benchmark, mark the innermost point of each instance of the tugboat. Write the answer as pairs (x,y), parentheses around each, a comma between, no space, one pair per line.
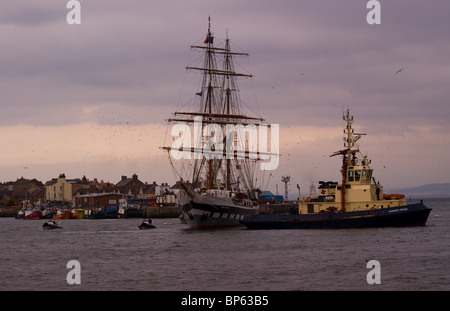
(357,202)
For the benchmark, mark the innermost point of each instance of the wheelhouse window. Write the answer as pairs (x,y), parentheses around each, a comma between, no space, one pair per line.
(350,175)
(357,175)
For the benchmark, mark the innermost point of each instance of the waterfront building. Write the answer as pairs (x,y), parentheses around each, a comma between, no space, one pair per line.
(31,190)
(62,190)
(131,186)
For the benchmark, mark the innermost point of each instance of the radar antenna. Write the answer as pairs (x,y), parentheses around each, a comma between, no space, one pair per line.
(286,179)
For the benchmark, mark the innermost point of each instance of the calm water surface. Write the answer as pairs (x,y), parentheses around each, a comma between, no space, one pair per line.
(115,255)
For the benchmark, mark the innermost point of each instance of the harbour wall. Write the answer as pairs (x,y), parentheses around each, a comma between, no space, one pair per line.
(175,211)
(152,212)
(163,211)
(8,212)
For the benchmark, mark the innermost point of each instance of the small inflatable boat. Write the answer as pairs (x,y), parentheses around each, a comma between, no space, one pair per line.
(146,224)
(51,224)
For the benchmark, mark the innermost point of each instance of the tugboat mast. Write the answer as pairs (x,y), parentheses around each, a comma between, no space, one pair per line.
(346,159)
(348,155)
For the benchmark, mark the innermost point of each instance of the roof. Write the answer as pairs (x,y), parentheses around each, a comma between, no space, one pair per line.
(126,180)
(266,193)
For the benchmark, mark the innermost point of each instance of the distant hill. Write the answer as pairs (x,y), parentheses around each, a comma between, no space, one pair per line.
(425,191)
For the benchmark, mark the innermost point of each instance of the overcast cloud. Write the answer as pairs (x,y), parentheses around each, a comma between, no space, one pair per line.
(123,70)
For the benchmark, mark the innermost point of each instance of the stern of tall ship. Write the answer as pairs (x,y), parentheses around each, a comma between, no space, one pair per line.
(208,212)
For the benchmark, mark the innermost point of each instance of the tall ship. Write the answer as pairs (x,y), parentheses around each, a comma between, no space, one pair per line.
(357,202)
(215,170)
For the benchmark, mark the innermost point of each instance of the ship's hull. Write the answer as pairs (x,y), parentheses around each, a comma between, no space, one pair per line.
(216,215)
(404,216)
(33,214)
(65,214)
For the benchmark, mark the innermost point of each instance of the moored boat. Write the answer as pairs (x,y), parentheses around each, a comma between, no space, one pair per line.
(28,211)
(48,213)
(78,213)
(127,210)
(33,214)
(63,214)
(95,213)
(356,202)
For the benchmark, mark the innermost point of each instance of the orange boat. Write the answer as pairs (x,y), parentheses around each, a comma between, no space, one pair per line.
(63,214)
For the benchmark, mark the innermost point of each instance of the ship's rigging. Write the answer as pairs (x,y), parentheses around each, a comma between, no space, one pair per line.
(218,107)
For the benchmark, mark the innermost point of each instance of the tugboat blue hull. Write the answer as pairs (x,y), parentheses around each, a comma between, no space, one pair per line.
(404,216)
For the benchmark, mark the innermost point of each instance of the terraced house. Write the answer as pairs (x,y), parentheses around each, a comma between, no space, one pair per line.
(14,192)
(61,189)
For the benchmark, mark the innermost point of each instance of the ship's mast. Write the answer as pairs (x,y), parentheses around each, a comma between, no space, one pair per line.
(209,66)
(348,155)
(349,141)
(227,108)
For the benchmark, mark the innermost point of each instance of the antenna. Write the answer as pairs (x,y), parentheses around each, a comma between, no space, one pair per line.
(286,179)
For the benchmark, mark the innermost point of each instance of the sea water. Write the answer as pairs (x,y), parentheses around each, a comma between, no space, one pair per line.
(114,254)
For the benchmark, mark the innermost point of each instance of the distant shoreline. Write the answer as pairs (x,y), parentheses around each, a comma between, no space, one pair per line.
(152,212)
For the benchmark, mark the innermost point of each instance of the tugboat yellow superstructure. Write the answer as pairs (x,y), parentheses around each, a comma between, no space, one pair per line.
(357,202)
(357,192)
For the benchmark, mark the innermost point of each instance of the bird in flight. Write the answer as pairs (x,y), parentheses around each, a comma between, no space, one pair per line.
(400,70)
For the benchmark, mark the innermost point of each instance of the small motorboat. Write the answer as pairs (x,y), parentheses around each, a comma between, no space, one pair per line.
(51,224)
(147,224)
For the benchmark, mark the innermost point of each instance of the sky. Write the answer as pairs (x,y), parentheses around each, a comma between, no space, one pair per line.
(92,99)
